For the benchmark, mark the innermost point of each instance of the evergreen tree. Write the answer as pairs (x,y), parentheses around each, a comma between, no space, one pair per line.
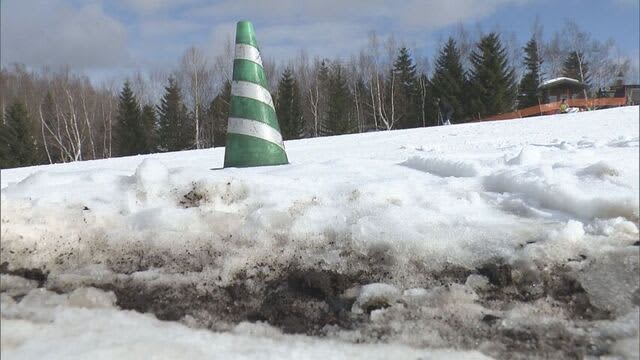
(448,81)
(17,144)
(576,67)
(175,127)
(149,123)
(491,81)
(406,104)
(528,92)
(323,72)
(323,93)
(288,107)
(215,129)
(130,137)
(8,158)
(338,119)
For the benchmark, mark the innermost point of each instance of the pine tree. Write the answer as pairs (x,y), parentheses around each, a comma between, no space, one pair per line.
(130,137)
(8,157)
(17,144)
(406,104)
(448,81)
(323,71)
(528,93)
(338,119)
(322,97)
(576,67)
(491,80)
(175,127)
(288,107)
(215,129)
(150,125)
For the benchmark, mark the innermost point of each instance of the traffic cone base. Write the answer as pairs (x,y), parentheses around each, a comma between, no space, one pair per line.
(245,151)
(253,133)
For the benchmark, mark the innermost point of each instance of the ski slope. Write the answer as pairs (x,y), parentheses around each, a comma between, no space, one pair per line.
(422,243)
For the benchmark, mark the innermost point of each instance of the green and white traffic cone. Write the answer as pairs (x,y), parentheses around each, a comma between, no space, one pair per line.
(253,133)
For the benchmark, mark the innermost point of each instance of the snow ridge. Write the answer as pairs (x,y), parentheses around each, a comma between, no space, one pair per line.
(421,237)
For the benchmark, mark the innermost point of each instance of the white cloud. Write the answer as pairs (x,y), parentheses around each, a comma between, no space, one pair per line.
(337,27)
(149,7)
(53,33)
(164,27)
(283,42)
(423,13)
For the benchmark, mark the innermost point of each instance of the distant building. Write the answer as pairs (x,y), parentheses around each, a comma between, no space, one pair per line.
(630,92)
(551,93)
(561,88)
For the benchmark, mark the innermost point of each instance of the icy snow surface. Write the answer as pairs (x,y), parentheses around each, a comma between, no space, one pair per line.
(409,241)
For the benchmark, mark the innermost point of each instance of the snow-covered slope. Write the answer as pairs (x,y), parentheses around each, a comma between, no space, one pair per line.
(502,226)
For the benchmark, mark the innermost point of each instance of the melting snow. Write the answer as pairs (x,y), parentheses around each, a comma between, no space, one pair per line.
(427,224)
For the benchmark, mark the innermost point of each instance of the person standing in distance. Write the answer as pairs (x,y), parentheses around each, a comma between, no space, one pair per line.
(446,111)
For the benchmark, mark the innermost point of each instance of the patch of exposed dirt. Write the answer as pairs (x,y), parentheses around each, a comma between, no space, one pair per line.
(35,274)
(319,302)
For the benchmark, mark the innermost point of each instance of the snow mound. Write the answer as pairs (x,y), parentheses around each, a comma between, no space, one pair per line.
(527,156)
(609,227)
(442,167)
(554,190)
(572,232)
(36,327)
(599,170)
(625,141)
(16,285)
(152,179)
(525,236)
(375,296)
(91,298)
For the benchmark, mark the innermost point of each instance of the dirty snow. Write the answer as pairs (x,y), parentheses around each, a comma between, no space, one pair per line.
(36,328)
(420,225)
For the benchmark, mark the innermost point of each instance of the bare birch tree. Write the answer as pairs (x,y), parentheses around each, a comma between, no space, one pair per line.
(196,76)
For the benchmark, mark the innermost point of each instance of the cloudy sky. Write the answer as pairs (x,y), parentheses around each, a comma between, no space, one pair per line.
(111,36)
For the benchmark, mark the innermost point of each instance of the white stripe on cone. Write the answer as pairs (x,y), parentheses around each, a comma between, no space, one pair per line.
(251,91)
(248,52)
(256,129)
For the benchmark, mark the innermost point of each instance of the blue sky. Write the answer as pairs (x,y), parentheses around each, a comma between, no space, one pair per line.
(103,37)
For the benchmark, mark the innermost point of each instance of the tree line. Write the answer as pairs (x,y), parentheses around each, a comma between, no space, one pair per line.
(60,116)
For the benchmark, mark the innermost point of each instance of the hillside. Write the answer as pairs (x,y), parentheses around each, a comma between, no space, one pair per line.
(504,239)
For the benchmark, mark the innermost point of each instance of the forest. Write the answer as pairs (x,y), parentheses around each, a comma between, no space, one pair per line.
(60,115)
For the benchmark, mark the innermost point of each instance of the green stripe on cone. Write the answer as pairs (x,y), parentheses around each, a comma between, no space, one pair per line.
(246,108)
(245,70)
(252,151)
(253,145)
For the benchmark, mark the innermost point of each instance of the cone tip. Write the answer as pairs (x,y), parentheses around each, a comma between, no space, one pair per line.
(245,33)
(245,27)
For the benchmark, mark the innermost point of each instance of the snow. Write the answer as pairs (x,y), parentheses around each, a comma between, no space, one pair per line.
(35,328)
(529,155)
(374,296)
(398,208)
(559,80)
(573,231)
(442,167)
